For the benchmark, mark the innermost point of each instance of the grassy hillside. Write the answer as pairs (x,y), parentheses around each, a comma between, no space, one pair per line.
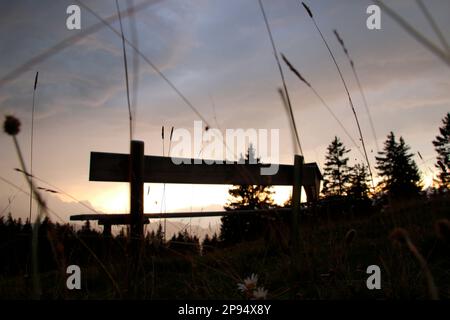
(334,255)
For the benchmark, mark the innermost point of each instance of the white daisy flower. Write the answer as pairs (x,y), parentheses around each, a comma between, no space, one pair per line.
(249,283)
(260,294)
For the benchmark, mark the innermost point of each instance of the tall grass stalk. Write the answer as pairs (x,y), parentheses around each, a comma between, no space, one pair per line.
(286,92)
(424,163)
(32,139)
(170,140)
(10,202)
(46,54)
(301,78)
(213,106)
(438,52)
(163,198)
(286,106)
(434,25)
(308,10)
(12,127)
(147,60)
(42,210)
(125,63)
(135,40)
(163,76)
(442,228)
(164,190)
(52,212)
(107,23)
(59,190)
(358,82)
(401,235)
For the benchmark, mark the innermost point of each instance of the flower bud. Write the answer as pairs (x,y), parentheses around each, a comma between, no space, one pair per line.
(11,125)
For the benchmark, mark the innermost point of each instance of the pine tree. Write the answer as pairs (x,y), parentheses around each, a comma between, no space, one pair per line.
(206,245)
(149,238)
(359,183)
(86,227)
(185,243)
(236,228)
(336,171)
(121,237)
(398,169)
(215,242)
(210,244)
(442,147)
(160,236)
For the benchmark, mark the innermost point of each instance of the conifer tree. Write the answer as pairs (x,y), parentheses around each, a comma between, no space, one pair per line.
(398,169)
(336,171)
(236,228)
(442,147)
(359,182)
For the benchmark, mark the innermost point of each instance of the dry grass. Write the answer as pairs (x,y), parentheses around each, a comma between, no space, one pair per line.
(345,87)
(332,262)
(286,92)
(433,48)
(363,96)
(401,235)
(301,78)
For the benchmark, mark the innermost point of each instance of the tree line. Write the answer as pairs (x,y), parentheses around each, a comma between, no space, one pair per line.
(58,243)
(345,188)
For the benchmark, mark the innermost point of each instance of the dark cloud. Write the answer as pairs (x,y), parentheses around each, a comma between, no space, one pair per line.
(220,49)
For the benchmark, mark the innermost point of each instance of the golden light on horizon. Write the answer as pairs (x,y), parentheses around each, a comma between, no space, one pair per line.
(115,199)
(112,199)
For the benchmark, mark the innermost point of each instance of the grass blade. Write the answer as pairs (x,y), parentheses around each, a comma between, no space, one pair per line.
(355,74)
(291,114)
(125,63)
(346,90)
(297,73)
(434,25)
(414,33)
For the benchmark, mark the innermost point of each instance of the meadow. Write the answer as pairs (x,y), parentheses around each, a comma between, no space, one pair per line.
(335,251)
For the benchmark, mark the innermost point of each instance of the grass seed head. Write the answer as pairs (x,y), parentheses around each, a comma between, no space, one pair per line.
(399,236)
(11,125)
(307,9)
(443,229)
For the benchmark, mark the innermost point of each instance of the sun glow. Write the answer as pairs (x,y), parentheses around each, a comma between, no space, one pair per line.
(173,198)
(113,199)
(428,180)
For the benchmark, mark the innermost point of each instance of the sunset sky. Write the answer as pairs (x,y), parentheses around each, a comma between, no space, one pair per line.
(216,53)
